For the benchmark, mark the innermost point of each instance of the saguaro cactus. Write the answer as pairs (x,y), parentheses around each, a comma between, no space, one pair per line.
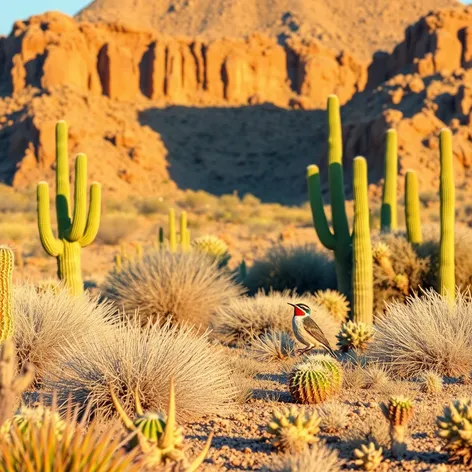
(388,212)
(412,208)
(362,280)
(446,249)
(6,274)
(73,233)
(338,240)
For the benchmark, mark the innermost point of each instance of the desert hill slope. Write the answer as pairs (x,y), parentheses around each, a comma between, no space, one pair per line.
(362,27)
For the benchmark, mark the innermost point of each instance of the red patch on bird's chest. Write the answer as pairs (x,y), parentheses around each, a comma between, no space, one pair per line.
(299,312)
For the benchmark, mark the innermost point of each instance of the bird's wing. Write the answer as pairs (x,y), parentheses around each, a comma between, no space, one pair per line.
(315,331)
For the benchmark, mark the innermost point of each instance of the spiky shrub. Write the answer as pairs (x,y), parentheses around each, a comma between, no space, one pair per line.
(368,457)
(398,412)
(431,382)
(315,379)
(336,303)
(404,261)
(293,430)
(273,346)
(213,247)
(6,289)
(454,427)
(425,333)
(300,268)
(40,448)
(74,232)
(245,318)
(181,287)
(334,416)
(49,285)
(318,458)
(355,335)
(48,321)
(145,358)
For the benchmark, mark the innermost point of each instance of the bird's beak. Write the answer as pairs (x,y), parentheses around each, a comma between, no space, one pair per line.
(291,304)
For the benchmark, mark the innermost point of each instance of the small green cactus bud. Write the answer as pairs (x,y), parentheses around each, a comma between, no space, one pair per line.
(336,303)
(354,335)
(455,426)
(402,283)
(431,382)
(213,246)
(293,430)
(368,457)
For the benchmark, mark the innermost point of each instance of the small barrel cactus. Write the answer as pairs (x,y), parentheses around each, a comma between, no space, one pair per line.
(354,335)
(431,382)
(315,379)
(455,426)
(368,457)
(336,303)
(213,246)
(293,430)
(398,412)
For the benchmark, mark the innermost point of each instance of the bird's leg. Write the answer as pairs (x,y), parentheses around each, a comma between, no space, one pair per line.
(302,351)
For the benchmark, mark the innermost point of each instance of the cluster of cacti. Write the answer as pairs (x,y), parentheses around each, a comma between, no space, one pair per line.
(213,246)
(381,255)
(6,290)
(74,232)
(455,426)
(354,335)
(368,457)
(293,430)
(160,439)
(124,256)
(175,241)
(431,382)
(315,379)
(398,412)
(336,303)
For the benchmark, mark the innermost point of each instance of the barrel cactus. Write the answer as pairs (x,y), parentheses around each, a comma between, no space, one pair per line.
(293,430)
(213,246)
(354,335)
(398,412)
(455,426)
(368,457)
(316,379)
(431,382)
(335,302)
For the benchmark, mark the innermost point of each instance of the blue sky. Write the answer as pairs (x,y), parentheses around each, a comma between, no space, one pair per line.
(22,9)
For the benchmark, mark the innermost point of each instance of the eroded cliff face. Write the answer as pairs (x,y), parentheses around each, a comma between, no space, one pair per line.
(53,50)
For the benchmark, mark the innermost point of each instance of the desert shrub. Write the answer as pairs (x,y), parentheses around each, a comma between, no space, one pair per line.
(151,205)
(425,333)
(14,231)
(273,346)
(300,268)
(179,287)
(405,262)
(115,228)
(144,360)
(199,201)
(46,321)
(463,255)
(248,317)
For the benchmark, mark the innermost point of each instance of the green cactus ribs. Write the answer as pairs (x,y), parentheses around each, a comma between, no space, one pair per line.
(74,232)
(388,212)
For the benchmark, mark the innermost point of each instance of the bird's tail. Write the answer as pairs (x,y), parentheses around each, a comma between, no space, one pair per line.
(331,352)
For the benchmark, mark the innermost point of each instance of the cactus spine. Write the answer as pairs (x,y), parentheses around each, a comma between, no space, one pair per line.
(76,232)
(412,208)
(446,254)
(338,240)
(363,279)
(388,212)
(6,274)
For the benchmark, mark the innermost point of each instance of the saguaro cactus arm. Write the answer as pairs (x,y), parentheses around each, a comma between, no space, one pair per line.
(388,213)
(93,218)
(51,245)
(79,220)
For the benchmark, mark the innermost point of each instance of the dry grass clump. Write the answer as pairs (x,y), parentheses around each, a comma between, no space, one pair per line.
(405,263)
(273,346)
(181,287)
(143,360)
(48,321)
(431,382)
(425,334)
(376,377)
(248,317)
(301,268)
(115,228)
(318,458)
(334,416)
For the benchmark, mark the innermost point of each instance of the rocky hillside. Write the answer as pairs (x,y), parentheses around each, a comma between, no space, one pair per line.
(157,113)
(360,26)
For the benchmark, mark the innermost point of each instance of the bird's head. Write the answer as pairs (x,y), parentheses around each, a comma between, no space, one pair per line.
(300,309)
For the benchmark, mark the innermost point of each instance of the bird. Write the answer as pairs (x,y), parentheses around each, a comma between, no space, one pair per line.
(306,330)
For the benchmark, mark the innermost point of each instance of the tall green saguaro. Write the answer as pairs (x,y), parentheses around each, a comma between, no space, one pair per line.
(388,212)
(76,232)
(447,201)
(338,240)
(412,208)
(362,276)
